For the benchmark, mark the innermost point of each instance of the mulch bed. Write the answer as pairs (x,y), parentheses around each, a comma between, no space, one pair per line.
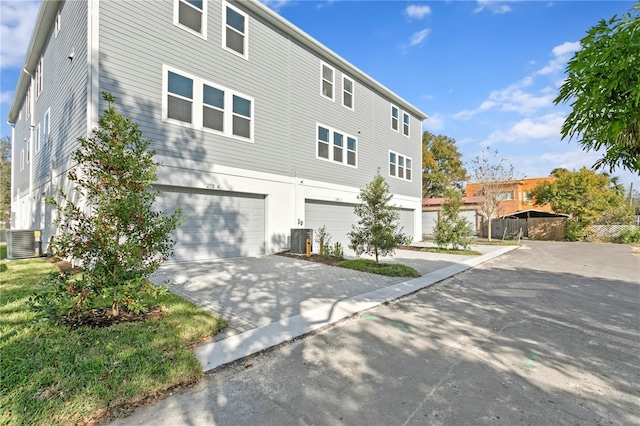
(331,261)
(102,317)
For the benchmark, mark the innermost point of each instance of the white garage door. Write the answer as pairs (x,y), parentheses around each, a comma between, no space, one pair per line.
(470,215)
(429,220)
(406,221)
(218,224)
(336,217)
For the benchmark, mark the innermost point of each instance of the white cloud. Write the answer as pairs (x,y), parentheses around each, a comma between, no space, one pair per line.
(493,6)
(543,127)
(417,12)
(6,97)
(434,123)
(18,18)
(566,47)
(562,54)
(275,4)
(418,37)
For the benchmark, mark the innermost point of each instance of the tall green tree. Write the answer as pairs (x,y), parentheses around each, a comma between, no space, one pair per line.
(377,231)
(442,166)
(5,178)
(452,229)
(112,227)
(603,87)
(587,197)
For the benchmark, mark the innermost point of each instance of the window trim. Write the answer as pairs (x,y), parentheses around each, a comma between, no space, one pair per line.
(198,105)
(176,18)
(46,126)
(397,129)
(39,79)
(345,146)
(57,25)
(405,157)
(27,101)
(224,30)
(22,160)
(333,81)
(38,136)
(352,93)
(408,124)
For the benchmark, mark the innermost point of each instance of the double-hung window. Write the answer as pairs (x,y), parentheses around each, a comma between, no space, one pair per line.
(191,15)
(39,78)
(45,127)
(337,146)
(22,160)
(37,142)
(235,35)
(395,118)
(327,81)
(405,123)
(347,92)
(399,166)
(27,103)
(191,101)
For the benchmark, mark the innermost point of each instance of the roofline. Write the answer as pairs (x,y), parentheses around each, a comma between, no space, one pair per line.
(45,19)
(288,28)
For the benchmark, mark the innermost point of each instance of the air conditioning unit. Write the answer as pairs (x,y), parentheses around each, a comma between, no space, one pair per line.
(299,237)
(24,244)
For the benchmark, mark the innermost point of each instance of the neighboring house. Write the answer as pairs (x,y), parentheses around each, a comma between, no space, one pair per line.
(259,127)
(514,195)
(432,208)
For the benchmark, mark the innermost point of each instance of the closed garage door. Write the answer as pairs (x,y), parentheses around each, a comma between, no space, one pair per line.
(336,217)
(406,221)
(470,215)
(429,220)
(218,224)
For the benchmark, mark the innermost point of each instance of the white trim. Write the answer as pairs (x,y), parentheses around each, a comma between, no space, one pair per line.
(405,168)
(37,139)
(345,145)
(392,118)
(333,81)
(352,93)
(57,25)
(406,114)
(21,160)
(93,64)
(176,18)
(46,125)
(245,45)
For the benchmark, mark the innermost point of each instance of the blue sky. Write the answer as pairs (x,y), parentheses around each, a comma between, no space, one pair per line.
(486,72)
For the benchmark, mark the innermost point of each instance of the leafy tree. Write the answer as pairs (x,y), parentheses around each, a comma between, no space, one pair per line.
(5,178)
(452,229)
(377,231)
(495,176)
(442,167)
(586,196)
(603,86)
(118,237)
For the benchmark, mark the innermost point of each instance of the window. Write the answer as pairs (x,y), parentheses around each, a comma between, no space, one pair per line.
(191,101)
(395,117)
(22,160)
(28,151)
(27,103)
(56,28)
(399,166)
(347,92)
(527,197)
(337,146)
(37,138)
(327,81)
(39,79)
(234,36)
(45,130)
(405,123)
(191,15)
(505,195)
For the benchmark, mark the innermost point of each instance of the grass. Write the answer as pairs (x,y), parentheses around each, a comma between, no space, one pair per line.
(3,251)
(450,251)
(388,269)
(53,375)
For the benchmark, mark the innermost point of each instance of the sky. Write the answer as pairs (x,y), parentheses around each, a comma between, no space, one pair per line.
(486,72)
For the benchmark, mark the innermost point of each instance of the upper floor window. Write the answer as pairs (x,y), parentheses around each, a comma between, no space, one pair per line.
(192,101)
(327,81)
(191,15)
(56,28)
(27,103)
(28,151)
(399,166)
(45,127)
(395,118)
(405,123)
(347,92)
(22,160)
(337,146)
(37,142)
(505,195)
(235,32)
(39,79)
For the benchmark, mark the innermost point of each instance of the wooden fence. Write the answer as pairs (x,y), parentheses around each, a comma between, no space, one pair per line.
(535,228)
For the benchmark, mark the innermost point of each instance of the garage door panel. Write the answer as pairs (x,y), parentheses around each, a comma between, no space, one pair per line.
(406,221)
(429,220)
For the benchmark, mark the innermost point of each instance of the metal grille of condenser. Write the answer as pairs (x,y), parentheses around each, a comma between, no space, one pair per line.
(23,244)
(299,238)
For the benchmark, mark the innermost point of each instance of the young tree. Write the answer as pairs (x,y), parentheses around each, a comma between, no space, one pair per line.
(451,228)
(586,196)
(441,165)
(495,176)
(602,86)
(5,178)
(112,227)
(377,232)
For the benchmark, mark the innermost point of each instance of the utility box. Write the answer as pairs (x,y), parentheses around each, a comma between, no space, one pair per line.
(24,244)
(299,237)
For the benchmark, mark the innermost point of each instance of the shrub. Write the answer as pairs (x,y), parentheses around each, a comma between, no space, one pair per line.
(629,236)
(576,230)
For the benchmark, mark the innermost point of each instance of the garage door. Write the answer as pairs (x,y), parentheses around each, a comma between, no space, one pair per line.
(406,221)
(429,220)
(218,224)
(336,217)
(470,215)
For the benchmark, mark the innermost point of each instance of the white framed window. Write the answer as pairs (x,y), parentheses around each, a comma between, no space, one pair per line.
(37,136)
(400,166)
(327,81)
(395,118)
(28,151)
(56,28)
(27,103)
(347,92)
(22,160)
(191,15)
(504,195)
(336,146)
(39,77)
(235,30)
(46,126)
(405,124)
(191,101)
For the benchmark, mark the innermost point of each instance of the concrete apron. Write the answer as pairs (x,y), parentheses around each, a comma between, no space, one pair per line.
(215,354)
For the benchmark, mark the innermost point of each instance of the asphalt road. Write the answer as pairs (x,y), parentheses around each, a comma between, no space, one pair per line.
(546,334)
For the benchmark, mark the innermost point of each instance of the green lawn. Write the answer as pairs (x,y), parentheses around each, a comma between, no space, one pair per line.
(388,269)
(3,251)
(450,251)
(53,375)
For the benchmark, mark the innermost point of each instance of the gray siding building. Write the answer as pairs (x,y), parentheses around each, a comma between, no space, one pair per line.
(259,127)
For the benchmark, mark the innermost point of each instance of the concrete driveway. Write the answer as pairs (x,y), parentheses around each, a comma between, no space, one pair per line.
(547,334)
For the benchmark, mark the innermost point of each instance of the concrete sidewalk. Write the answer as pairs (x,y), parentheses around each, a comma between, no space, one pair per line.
(273,299)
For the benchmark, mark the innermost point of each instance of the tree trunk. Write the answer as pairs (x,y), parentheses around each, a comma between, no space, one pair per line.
(489,228)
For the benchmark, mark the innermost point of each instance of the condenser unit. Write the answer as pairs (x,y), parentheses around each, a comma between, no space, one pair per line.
(24,244)
(299,237)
